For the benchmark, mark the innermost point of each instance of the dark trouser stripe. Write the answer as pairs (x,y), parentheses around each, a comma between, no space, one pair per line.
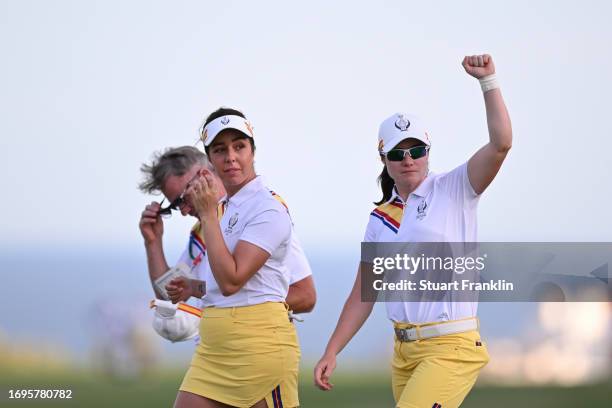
(280,399)
(276,397)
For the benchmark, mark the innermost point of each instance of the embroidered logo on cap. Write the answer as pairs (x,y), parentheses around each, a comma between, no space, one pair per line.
(225,120)
(402,123)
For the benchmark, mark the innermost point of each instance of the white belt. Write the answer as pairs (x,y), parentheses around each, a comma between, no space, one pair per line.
(435,330)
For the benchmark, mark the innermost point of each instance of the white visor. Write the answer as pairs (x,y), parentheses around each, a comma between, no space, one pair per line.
(210,131)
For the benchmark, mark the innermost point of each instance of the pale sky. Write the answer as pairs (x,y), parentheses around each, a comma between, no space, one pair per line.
(88,90)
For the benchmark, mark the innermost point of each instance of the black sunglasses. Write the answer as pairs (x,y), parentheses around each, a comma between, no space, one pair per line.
(177,202)
(414,153)
(174,205)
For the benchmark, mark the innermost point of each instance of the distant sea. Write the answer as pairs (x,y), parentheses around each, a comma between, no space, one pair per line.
(54,297)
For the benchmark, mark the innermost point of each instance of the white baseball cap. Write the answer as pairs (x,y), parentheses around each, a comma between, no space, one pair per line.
(210,131)
(175,322)
(398,127)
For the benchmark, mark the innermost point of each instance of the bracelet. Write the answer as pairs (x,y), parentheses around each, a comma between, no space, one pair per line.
(488,83)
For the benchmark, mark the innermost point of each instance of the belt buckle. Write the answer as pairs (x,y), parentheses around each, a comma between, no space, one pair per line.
(401,335)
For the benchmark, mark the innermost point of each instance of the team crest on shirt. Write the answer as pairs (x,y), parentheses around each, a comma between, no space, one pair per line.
(232,222)
(422,210)
(402,123)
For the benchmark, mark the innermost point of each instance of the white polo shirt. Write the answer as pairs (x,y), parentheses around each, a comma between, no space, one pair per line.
(441,209)
(255,216)
(194,254)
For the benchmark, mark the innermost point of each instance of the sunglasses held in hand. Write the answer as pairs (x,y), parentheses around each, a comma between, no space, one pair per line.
(177,202)
(174,205)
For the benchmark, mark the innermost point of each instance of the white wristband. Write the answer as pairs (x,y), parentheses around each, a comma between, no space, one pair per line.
(488,83)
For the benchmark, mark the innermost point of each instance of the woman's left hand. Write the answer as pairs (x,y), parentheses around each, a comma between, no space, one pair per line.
(478,66)
(204,197)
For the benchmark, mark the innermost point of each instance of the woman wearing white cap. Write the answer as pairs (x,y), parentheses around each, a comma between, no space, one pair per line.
(438,352)
(249,354)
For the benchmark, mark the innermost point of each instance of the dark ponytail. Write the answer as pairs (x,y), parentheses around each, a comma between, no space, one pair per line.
(386,185)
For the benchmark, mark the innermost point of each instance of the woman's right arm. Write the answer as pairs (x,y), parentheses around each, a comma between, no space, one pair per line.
(354,314)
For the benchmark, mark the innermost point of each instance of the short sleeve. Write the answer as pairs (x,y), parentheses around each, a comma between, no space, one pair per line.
(456,184)
(371,235)
(268,229)
(371,232)
(296,261)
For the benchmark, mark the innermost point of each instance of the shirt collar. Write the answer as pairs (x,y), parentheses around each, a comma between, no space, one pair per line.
(425,187)
(394,196)
(246,192)
(422,190)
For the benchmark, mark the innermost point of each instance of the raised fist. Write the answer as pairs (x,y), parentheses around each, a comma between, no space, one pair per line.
(478,66)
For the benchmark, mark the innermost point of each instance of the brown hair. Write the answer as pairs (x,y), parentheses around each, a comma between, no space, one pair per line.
(386,184)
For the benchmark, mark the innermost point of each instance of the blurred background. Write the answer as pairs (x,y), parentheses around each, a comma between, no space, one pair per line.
(89,90)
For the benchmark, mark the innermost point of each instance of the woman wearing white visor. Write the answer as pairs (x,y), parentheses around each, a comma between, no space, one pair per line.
(438,352)
(248,354)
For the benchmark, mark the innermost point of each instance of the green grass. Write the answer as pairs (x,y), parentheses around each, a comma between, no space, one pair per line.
(367,391)
(599,395)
